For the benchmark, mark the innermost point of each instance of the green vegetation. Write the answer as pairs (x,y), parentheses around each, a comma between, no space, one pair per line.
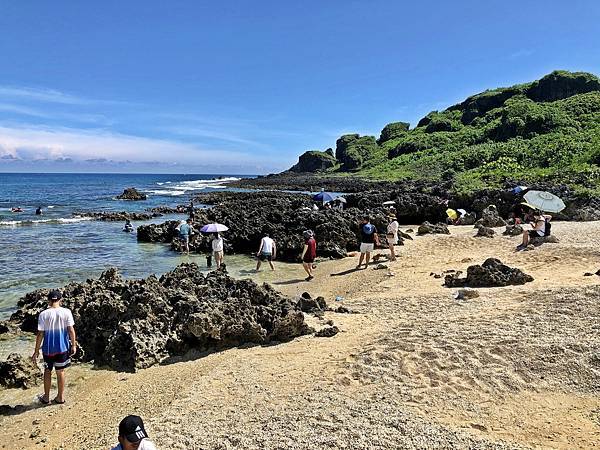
(544,131)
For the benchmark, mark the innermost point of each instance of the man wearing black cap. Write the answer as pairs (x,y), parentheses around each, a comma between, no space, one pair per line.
(56,337)
(132,435)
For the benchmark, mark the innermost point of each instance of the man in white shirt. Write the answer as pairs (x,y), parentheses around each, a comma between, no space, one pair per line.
(56,338)
(266,252)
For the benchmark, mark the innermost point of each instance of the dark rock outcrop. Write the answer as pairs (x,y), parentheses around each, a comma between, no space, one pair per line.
(328,331)
(485,232)
(314,161)
(491,218)
(308,304)
(108,216)
(283,216)
(132,194)
(19,372)
(428,228)
(490,274)
(513,230)
(133,324)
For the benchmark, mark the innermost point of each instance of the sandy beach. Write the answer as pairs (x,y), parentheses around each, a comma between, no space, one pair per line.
(516,367)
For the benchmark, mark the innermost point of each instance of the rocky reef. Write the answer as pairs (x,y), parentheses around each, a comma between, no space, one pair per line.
(283,216)
(131,194)
(489,274)
(134,324)
(19,372)
(109,216)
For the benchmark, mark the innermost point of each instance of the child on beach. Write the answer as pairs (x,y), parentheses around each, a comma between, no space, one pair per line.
(132,435)
(266,252)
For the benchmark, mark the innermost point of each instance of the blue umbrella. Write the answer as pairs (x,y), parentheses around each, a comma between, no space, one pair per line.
(323,197)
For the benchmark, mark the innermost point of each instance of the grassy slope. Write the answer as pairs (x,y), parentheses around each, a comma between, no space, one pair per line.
(521,140)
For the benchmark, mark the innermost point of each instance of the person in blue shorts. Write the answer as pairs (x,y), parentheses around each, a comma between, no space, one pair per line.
(57,340)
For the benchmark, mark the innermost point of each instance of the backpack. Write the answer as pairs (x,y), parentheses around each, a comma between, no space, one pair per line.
(368,229)
(548,228)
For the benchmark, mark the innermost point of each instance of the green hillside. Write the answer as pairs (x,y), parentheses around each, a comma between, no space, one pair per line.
(547,130)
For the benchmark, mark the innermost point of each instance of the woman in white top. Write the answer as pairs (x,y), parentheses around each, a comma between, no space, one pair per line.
(392,235)
(538,225)
(217,248)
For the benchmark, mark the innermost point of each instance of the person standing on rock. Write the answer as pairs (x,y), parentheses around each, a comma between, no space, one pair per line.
(368,240)
(133,436)
(392,235)
(56,338)
(217,248)
(266,252)
(309,253)
(191,212)
(185,232)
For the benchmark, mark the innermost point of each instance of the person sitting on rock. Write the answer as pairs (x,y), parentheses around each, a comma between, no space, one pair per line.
(133,436)
(266,252)
(540,228)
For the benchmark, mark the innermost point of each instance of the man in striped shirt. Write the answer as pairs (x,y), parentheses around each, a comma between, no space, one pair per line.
(56,338)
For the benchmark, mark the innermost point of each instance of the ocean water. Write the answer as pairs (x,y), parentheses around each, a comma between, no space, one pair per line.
(56,248)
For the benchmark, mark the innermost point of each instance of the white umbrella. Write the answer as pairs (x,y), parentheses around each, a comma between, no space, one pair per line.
(213,228)
(391,202)
(340,199)
(544,201)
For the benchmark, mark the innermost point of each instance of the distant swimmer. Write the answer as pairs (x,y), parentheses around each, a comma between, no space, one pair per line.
(17,210)
(38,211)
(128,228)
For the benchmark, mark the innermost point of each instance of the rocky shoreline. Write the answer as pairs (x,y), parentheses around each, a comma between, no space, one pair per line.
(134,324)
(284,216)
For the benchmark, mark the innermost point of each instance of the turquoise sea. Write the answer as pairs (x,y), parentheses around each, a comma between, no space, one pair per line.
(56,248)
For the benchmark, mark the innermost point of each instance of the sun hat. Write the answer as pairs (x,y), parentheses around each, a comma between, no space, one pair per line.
(132,429)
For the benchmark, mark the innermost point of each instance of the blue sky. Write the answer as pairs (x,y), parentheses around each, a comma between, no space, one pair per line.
(246,86)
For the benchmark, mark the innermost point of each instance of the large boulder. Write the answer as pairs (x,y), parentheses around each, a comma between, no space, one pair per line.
(491,218)
(314,161)
(490,274)
(485,232)
(19,372)
(132,194)
(133,324)
(428,228)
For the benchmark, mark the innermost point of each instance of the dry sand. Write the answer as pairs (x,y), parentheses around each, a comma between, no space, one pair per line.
(517,367)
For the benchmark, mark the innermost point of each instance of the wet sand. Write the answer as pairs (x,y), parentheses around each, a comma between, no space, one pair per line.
(517,367)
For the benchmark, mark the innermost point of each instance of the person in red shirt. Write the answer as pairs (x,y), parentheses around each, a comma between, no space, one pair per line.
(309,253)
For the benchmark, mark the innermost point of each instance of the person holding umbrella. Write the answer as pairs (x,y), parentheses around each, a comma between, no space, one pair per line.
(540,227)
(540,201)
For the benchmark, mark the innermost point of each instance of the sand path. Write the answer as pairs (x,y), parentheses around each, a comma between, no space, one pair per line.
(413,368)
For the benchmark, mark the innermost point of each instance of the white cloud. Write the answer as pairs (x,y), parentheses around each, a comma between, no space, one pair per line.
(49,96)
(31,143)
